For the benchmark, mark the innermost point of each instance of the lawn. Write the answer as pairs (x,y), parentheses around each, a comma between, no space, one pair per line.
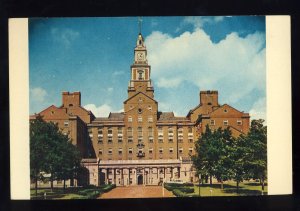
(245,189)
(71,192)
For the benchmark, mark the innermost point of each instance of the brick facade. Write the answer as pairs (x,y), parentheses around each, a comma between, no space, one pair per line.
(142,140)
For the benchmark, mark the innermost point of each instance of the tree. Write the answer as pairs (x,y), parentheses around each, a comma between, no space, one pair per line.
(38,148)
(238,157)
(51,152)
(211,156)
(256,141)
(202,161)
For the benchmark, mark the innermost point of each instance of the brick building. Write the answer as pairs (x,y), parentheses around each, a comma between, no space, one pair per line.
(141,145)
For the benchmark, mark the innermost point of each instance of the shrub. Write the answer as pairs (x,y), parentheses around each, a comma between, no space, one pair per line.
(186,190)
(179,193)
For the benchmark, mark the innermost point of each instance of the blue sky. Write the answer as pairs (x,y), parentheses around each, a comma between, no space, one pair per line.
(186,54)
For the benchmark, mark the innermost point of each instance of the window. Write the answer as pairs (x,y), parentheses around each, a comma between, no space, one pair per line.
(239,122)
(180,139)
(129,131)
(180,150)
(190,140)
(171,150)
(225,111)
(225,122)
(140,119)
(130,139)
(70,105)
(66,123)
(150,134)
(130,119)
(190,130)
(170,140)
(100,139)
(140,131)
(140,75)
(160,139)
(190,150)
(160,150)
(110,151)
(170,132)
(100,151)
(109,140)
(120,131)
(150,151)
(150,119)
(149,108)
(212,122)
(109,131)
(120,151)
(130,151)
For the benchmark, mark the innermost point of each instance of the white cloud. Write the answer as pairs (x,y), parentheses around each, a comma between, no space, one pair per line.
(199,22)
(258,110)
(102,110)
(110,89)
(235,66)
(38,94)
(64,36)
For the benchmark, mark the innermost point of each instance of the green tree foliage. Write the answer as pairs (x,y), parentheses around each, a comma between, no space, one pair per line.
(256,145)
(220,155)
(51,152)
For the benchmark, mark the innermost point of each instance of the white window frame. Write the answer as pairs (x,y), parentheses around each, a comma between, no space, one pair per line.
(212,122)
(225,122)
(239,122)
(66,123)
(129,118)
(140,119)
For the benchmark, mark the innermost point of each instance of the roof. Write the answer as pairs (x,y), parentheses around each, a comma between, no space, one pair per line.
(137,94)
(112,117)
(165,116)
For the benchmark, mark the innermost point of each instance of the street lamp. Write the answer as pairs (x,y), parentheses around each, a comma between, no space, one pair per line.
(199,183)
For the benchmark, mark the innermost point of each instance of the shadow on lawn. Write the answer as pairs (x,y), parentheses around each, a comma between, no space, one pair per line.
(231,189)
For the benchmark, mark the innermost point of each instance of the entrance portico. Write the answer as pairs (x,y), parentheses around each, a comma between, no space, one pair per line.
(139,172)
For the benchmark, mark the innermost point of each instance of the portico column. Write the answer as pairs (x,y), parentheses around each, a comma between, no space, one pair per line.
(128,176)
(171,173)
(178,169)
(115,176)
(122,177)
(107,176)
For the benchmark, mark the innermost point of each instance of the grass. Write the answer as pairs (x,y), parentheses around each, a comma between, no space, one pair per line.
(245,189)
(71,193)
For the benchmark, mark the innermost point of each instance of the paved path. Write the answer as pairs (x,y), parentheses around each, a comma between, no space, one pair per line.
(139,191)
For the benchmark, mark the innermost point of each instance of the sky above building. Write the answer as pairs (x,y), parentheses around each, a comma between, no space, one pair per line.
(186,54)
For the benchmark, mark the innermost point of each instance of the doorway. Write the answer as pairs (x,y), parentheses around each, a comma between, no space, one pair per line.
(140,180)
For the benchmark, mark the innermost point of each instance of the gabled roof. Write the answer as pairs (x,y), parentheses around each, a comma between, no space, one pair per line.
(137,94)
(225,105)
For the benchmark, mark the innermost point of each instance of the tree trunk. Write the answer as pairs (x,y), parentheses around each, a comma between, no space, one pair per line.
(51,182)
(262,184)
(36,185)
(222,187)
(210,180)
(64,185)
(237,186)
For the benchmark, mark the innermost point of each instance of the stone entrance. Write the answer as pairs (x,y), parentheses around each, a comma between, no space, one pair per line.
(140,180)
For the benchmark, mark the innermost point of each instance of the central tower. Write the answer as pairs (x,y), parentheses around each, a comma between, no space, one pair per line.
(140,71)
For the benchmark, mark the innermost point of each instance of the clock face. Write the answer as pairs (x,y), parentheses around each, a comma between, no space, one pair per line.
(140,56)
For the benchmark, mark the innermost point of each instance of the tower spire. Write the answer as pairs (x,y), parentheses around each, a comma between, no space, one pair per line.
(140,24)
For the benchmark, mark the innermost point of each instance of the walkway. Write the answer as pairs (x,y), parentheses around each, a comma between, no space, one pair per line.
(139,191)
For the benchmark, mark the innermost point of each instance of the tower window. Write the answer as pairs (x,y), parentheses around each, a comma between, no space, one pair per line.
(212,122)
(239,122)
(225,122)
